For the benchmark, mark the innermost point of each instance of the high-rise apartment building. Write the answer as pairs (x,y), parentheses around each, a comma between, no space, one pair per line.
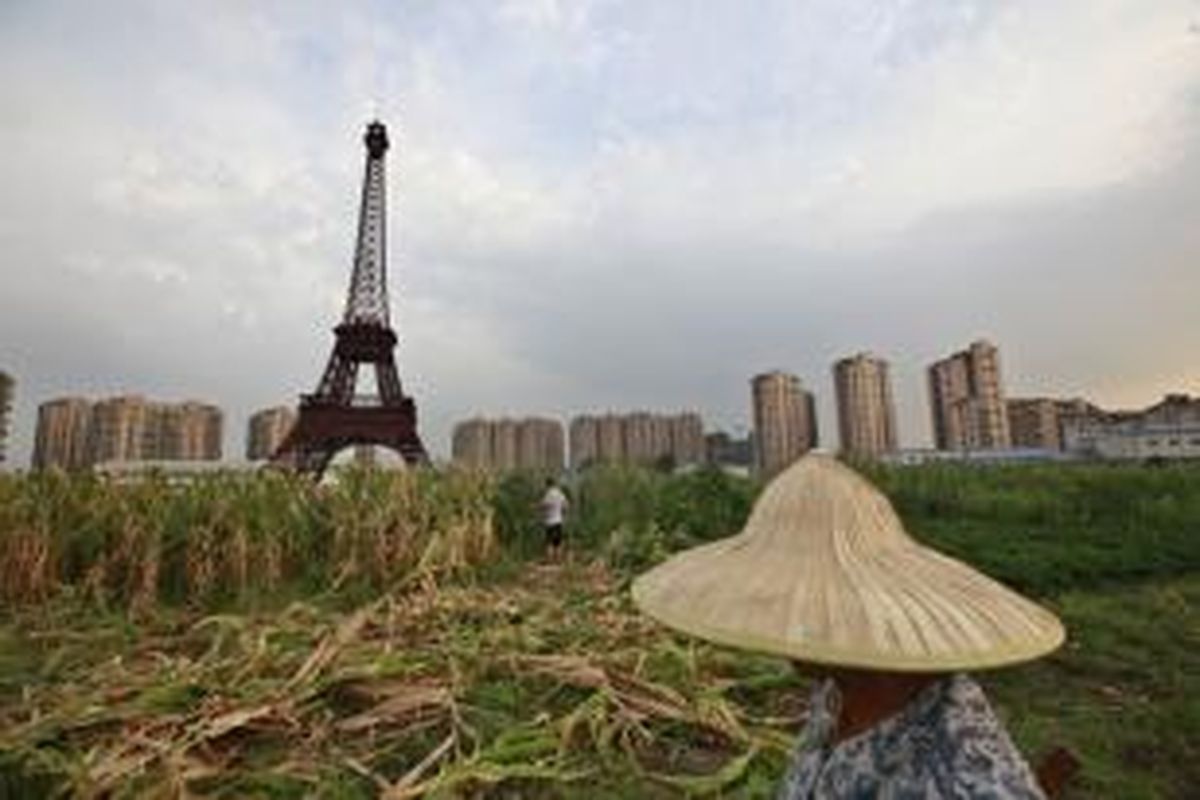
(74,433)
(664,442)
(966,397)
(785,421)
(201,432)
(585,441)
(193,432)
(504,444)
(62,437)
(866,413)
(118,430)
(471,443)
(610,438)
(687,439)
(266,431)
(639,437)
(6,397)
(534,443)
(658,439)
(131,428)
(1039,422)
(540,444)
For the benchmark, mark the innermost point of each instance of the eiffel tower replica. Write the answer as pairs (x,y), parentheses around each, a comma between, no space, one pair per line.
(334,417)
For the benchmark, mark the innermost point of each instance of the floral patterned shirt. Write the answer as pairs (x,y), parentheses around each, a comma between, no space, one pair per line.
(946,743)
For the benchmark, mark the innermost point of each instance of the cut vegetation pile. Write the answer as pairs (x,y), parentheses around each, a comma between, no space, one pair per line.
(548,686)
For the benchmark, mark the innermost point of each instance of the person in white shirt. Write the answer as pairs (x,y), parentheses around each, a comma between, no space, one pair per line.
(554,506)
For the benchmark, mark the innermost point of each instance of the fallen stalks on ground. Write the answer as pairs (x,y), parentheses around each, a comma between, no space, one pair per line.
(437,691)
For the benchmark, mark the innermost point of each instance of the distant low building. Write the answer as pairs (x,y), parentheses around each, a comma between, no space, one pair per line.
(1039,422)
(1008,455)
(1167,430)
(726,452)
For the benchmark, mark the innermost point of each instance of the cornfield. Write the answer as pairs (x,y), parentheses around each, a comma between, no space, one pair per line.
(235,538)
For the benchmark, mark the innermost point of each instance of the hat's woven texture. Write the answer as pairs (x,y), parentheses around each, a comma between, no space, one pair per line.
(824,572)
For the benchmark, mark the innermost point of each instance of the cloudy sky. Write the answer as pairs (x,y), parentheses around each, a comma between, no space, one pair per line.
(600,204)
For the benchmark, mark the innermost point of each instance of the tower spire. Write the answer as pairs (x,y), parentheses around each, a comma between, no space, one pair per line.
(367,301)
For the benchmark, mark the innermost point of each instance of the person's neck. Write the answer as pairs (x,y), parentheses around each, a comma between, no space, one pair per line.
(868,698)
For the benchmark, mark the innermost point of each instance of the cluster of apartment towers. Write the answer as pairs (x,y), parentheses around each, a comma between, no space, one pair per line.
(970,414)
(968,404)
(972,420)
(75,433)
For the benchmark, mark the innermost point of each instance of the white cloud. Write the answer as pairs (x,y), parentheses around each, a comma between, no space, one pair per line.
(1053,97)
(591,202)
(1045,98)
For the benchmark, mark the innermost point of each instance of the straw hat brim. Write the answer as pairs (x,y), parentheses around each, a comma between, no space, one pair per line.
(901,608)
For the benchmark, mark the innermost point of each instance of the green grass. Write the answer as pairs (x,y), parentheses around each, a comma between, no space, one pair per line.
(1044,529)
(1049,528)
(1124,693)
(1041,528)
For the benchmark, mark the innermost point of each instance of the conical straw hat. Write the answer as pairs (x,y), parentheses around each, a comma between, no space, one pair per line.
(824,573)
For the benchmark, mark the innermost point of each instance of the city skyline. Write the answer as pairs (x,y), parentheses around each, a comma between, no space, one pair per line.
(1041,418)
(777,189)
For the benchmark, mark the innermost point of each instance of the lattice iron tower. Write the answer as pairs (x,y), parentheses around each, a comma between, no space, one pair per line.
(334,417)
